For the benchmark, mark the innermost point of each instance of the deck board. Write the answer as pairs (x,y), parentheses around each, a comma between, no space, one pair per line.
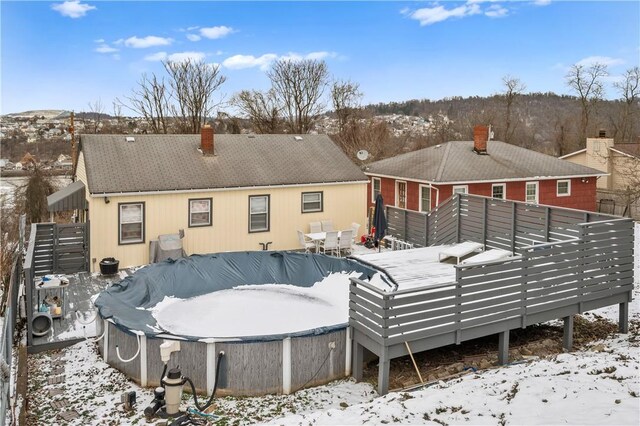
(82,286)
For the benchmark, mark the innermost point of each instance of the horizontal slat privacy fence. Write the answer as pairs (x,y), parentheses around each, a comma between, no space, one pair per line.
(513,225)
(566,262)
(53,249)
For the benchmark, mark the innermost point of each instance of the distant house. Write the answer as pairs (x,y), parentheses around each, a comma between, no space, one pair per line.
(228,192)
(420,180)
(619,160)
(4,162)
(621,163)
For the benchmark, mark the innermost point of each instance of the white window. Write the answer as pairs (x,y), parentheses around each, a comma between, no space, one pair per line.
(259,213)
(460,189)
(401,194)
(375,188)
(200,212)
(311,202)
(563,188)
(531,192)
(425,198)
(499,190)
(130,223)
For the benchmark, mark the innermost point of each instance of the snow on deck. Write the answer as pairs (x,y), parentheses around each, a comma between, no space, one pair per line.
(414,267)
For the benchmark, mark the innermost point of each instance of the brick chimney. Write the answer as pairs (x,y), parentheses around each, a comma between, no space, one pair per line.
(206,139)
(480,138)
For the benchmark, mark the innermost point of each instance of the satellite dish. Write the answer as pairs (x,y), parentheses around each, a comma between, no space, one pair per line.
(362,155)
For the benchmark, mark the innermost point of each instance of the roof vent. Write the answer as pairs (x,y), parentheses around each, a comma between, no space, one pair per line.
(251,136)
(602,133)
(130,139)
(298,138)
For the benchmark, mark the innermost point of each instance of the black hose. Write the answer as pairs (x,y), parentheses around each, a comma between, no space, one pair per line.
(164,370)
(215,385)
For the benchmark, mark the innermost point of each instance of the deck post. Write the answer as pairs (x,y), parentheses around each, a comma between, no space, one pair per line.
(485,202)
(383,372)
(503,347)
(567,335)
(458,221)
(513,228)
(623,319)
(347,349)
(358,360)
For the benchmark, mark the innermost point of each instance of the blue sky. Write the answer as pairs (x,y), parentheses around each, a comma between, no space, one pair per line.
(63,55)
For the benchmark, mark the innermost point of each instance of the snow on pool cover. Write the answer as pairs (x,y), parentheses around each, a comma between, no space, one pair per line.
(251,296)
(281,309)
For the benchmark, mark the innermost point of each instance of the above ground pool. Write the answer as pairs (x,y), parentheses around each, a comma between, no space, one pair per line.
(280,317)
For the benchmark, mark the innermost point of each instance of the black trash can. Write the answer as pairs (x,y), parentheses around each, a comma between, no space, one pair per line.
(109,266)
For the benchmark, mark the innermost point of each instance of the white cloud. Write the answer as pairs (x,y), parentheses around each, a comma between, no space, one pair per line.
(542,2)
(604,60)
(100,40)
(72,8)
(104,48)
(148,41)
(192,28)
(116,56)
(238,62)
(496,11)
(159,56)
(215,32)
(432,15)
(186,56)
(193,37)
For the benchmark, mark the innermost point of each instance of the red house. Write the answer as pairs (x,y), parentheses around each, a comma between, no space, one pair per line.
(420,180)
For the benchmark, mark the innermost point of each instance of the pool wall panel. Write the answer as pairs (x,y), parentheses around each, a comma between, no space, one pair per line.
(191,359)
(128,344)
(250,368)
(309,353)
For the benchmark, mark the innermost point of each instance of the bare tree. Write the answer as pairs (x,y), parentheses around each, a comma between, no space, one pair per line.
(345,97)
(298,86)
(368,134)
(151,100)
(442,128)
(513,88)
(629,90)
(96,110)
(193,84)
(261,108)
(586,82)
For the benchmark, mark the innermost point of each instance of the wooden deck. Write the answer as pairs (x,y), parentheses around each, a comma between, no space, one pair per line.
(68,330)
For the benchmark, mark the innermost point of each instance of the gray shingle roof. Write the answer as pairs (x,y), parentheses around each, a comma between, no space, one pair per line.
(457,162)
(173,162)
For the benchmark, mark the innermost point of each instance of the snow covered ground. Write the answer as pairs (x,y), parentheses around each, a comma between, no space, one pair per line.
(597,385)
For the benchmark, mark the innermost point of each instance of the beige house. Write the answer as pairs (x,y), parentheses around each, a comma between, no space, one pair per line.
(228,192)
(621,161)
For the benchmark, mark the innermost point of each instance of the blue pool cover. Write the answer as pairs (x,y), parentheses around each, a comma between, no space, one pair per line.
(127,302)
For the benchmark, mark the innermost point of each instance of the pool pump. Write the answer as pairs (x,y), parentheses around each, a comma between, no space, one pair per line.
(167,397)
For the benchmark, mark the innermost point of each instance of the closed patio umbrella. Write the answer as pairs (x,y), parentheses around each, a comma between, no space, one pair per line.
(379,220)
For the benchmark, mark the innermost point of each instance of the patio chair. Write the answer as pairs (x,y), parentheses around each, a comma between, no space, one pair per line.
(307,245)
(330,244)
(346,241)
(327,225)
(315,227)
(355,227)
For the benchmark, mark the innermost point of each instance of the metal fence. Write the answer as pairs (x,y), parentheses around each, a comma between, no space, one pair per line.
(6,342)
(563,265)
(53,249)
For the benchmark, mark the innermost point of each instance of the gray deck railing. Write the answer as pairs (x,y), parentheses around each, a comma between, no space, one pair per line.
(53,249)
(591,268)
(464,217)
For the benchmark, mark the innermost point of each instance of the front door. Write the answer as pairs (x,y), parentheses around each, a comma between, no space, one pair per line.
(401,200)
